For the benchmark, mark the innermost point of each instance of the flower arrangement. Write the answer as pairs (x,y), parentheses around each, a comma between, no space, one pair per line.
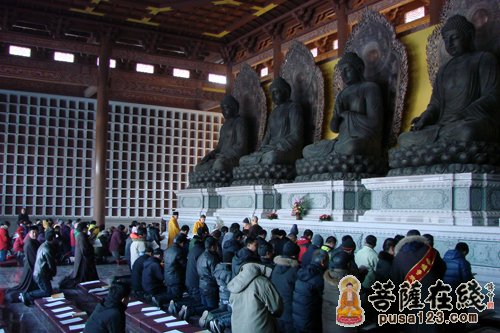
(298,208)
(272,216)
(325,217)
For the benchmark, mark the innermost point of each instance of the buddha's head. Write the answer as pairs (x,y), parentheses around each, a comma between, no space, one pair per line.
(280,91)
(230,107)
(352,68)
(458,35)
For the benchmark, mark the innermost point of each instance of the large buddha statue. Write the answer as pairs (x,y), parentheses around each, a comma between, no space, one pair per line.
(216,166)
(283,141)
(358,119)
(462,120)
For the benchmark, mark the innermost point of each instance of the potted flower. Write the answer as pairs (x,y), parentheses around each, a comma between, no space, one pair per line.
(298,209)
(325,217)
(272,216)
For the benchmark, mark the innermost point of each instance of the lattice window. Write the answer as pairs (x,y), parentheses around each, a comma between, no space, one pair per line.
(47,156)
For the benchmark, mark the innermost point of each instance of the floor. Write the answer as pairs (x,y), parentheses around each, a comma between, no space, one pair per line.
(18,318)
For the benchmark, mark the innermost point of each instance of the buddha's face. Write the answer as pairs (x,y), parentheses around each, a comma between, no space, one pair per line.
(455,43)
(279,95)
(349,74)
(229,110)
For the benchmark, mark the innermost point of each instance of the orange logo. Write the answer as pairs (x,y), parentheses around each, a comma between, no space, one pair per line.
(349,310)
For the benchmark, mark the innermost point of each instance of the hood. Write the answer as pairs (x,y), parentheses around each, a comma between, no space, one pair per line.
(247,274)
(418,240)
(309,272)
(453,254)
(333,276)
(285,261)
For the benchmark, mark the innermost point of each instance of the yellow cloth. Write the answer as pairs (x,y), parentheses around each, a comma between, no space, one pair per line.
(198,224)
(349,306)
(173,230)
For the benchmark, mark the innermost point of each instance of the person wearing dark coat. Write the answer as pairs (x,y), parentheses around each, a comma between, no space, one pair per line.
(109,314)
(458,269)
(266,254)
(255,228)
(385,259)
(26,282)
(137,270)
(152,279)
(117,242)
(175,267)
(410,253)
(192,277)
(232,246)
(44,270)
(283,278)
(206,263)
(316,244)
(308,294)
(246,254)
(84,268)
(279,242)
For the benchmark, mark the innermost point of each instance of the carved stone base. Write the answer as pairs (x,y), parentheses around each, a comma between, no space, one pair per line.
(193,202)
(340,167)
(238,202)
(452,199)
(210,179)
(263,174)
(343,200)
(445,157)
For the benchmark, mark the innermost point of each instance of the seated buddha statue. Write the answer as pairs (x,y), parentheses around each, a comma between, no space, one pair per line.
(349,303)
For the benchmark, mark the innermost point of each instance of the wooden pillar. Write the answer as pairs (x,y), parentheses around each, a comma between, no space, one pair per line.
(342,24)
(435,7)
(277,55)
(101,132)
(229,78)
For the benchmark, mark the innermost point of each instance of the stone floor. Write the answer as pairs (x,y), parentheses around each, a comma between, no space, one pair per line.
(21,319)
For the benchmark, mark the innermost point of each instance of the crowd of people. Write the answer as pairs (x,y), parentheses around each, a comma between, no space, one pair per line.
(288,282)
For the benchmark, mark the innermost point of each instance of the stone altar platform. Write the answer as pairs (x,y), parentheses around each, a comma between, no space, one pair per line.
(452,207)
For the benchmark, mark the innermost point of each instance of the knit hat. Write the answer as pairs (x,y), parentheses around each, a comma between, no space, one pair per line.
(348,245)
(290,249)
(317,240)
(294,230)
(246,220)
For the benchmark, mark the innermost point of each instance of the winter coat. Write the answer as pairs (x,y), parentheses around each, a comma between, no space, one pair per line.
(230,248)
(254,300)
(205,266)
(331,295)
(278,244)
(307,257)
(458,269)
(19,242)
(384,265)
(283,277)
(254,231)
(408,252)
(192,277)
(366,256)
(108,317)
(243,256)
(84,268)
(4,239)
(307,299)
(303,243)
(222,275)
(137,271)
(175,265)
(152,277)
(153,235)
(117,241)
(45,263)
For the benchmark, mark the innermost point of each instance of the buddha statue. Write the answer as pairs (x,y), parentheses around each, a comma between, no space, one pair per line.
(216,166)
(465,97)
(358,119)
(460,129)
(283,140)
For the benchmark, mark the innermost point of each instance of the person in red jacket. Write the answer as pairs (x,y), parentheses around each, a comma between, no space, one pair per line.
(19,245)
(304,242)
(4,240)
